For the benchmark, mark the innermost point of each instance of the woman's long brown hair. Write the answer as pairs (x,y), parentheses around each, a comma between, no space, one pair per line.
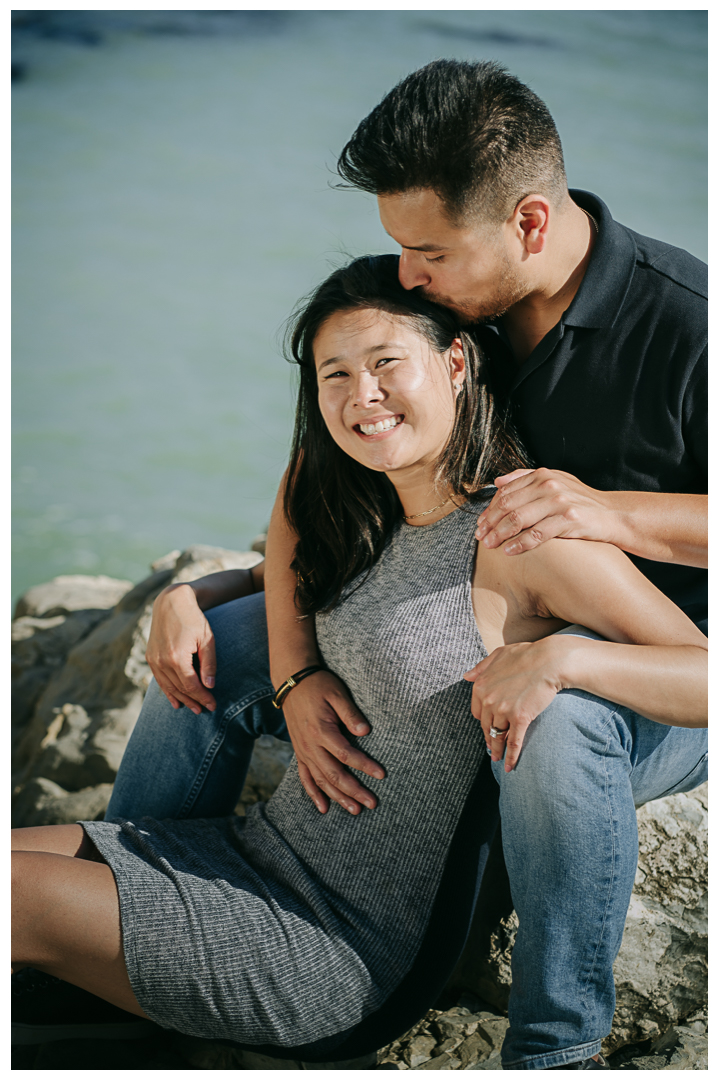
(343,512)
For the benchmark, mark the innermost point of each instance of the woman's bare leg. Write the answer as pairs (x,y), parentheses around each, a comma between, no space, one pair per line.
(66,914)
(61,839)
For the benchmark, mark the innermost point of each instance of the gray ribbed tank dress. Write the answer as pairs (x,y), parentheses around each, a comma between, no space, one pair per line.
(328,934)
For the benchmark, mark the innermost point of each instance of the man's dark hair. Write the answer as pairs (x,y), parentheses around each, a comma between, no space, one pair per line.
(342,511)
(470,132)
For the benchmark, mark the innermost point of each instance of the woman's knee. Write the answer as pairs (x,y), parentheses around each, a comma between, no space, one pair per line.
(59,839)
(573,732)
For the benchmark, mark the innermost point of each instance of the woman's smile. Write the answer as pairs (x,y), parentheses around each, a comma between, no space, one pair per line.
(377,429)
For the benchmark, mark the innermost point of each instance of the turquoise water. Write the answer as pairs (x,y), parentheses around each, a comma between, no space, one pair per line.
(172,203)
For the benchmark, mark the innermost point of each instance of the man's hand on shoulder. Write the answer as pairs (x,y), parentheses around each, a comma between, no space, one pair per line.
(535,505)
(315,712)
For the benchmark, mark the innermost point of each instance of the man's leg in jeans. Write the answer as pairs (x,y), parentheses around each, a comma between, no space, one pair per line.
(180,765)
(570,843)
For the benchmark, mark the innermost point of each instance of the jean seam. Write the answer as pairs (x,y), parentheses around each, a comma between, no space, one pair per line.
(217,742)
(561,1055)
(613,856)
(670,790)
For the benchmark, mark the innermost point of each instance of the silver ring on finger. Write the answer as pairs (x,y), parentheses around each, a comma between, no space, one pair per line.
(498,734)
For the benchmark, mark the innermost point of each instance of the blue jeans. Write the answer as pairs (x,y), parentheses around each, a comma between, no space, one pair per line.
(568,812)
(179,765)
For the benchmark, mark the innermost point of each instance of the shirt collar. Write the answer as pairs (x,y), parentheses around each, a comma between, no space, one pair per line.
(609,272)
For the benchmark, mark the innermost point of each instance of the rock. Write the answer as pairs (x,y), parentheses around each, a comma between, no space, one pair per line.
(447,1046)
(661,970)
(418,1050)
(474,1049)
(454,1023)
(493,1031)
(49,620)
(443,1061)
(166,562)
(79,676)
(200,559)
(71,592)
(679,1048)
(41,802)
(493,1062)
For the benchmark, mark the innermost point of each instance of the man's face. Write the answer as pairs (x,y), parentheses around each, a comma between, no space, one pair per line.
(476,270)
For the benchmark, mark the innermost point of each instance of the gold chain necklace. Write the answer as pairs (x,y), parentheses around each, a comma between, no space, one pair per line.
(426,513)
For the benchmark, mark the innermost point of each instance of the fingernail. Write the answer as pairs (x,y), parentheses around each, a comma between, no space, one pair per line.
(209,681)
(511,549)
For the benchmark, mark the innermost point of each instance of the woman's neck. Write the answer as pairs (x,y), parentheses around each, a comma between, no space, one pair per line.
(422,501)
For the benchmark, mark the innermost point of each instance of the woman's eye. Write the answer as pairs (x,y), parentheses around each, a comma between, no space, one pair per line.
(438,258)
(335,375)
(385,360)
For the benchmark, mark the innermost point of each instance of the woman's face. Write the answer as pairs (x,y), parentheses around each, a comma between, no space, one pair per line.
(387,397)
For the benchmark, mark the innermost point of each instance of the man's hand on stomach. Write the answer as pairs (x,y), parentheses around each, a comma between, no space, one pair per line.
(315,711)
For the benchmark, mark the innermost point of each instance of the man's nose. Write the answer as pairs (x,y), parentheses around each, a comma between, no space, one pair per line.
(411,270)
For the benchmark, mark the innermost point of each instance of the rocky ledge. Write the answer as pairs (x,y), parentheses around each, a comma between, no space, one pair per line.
(78,679)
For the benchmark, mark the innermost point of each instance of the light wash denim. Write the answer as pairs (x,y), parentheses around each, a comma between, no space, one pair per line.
(179,765)
(568,820)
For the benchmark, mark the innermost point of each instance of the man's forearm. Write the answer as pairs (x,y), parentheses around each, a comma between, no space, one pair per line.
(226,585)
(291,638)
(661,527)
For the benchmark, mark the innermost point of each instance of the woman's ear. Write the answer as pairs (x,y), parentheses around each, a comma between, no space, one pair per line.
(457,364)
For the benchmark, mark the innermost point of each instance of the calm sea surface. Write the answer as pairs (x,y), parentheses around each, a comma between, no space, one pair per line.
(172,203)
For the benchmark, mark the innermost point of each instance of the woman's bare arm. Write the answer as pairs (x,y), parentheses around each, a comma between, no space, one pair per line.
(318,707)
(654,661)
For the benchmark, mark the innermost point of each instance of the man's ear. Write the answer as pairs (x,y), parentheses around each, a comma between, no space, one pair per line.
(457,363)
(531,218)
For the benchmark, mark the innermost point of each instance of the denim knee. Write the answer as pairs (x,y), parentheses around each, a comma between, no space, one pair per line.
(575,729)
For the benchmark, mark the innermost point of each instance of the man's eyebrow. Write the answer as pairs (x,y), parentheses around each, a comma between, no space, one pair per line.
(373,348)
(422,247)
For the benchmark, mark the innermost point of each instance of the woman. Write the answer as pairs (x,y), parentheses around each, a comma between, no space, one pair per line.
(327,936)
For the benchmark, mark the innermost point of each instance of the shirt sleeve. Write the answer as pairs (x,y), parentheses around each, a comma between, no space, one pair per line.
(695,413)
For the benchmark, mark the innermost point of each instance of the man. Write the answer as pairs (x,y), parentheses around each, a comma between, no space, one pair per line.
(596,337)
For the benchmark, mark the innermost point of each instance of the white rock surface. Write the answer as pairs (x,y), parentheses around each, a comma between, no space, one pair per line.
(79,677)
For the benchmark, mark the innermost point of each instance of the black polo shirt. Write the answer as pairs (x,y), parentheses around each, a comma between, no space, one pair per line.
(616,393)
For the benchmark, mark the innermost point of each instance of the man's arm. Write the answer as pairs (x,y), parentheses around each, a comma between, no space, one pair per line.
(317,706)
(532,506)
